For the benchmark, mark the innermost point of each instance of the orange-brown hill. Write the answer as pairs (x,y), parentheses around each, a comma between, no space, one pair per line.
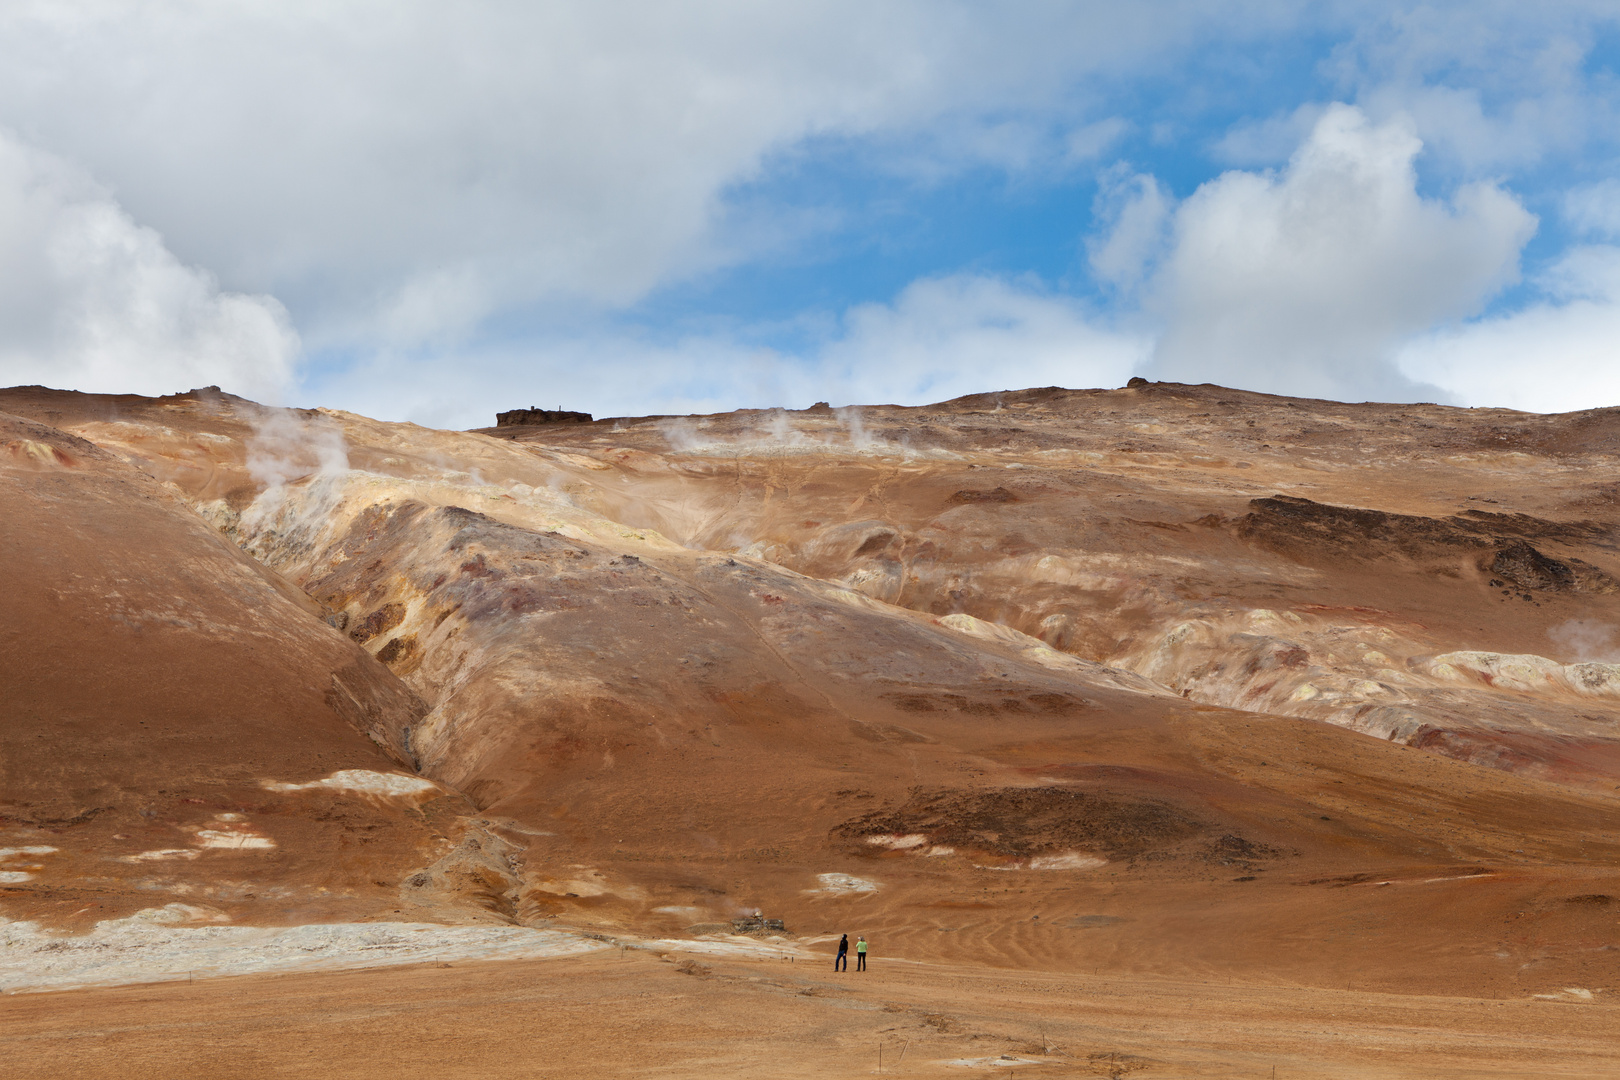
(1306,558)
(155,679)
(1047,680)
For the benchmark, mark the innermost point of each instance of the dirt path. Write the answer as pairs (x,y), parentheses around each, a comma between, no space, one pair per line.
(601,1016)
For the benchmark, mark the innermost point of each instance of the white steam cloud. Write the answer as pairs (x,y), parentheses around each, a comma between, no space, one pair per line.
(681,434)
(287,445)
(302,462)
(1586,640)
(778,431)
(90,300)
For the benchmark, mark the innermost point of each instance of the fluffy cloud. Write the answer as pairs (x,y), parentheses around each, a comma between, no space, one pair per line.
(92,301)
(489,184)
(961,335)
(399,170)
(940,338)
(1594,209)
(1555,355)
(1133,211)
(1308,281)
(1490,84)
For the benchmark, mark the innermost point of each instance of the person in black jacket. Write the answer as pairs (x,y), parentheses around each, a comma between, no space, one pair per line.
(841,961)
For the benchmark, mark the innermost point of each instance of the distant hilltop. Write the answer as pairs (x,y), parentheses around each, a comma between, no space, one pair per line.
(519,417)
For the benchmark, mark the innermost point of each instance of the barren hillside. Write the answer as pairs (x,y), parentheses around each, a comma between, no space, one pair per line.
(1169,682)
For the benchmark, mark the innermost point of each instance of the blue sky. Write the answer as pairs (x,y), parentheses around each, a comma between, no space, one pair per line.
(432,212)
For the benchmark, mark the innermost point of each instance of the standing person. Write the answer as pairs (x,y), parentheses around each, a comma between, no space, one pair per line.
(860,954)
(841,961)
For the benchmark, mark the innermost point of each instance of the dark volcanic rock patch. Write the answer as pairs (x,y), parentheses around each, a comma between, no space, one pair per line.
(994,495)
(527,417)
(1025,822)
(1307,530)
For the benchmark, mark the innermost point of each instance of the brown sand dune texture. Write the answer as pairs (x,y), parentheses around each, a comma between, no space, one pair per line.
(1169,683)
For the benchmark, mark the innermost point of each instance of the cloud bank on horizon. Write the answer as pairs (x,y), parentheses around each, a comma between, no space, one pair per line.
(429,212)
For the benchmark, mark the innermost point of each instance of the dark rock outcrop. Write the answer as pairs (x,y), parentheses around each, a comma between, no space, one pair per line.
(1311,531)
(522,417)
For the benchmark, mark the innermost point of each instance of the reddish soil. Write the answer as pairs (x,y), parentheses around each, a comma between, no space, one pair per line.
(638,1017)
(1202,729)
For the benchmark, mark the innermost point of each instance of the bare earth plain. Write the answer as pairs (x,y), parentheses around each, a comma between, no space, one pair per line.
(1167,731)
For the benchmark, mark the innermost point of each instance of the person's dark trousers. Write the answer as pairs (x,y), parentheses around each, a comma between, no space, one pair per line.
(860,961)
(842,963)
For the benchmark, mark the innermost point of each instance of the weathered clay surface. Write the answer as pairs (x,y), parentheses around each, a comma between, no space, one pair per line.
(158,687)
(1210,664)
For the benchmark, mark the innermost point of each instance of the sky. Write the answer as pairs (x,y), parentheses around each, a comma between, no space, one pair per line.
(430,212)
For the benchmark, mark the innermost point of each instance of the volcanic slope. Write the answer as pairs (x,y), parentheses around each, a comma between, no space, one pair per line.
(687,667)
(1441,577)
(180,733)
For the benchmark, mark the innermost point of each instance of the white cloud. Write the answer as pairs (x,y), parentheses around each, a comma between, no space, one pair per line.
(1090,140)
(1470,138)
(414,178)
(1489,84)
(1305,282)
(1133,211)
(960,335)
(1594,209)
(1269,141)
(1556,355)
(940,338)
(399,170)
(92,301)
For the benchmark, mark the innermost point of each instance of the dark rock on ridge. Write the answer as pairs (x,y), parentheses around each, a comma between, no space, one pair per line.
(522,417)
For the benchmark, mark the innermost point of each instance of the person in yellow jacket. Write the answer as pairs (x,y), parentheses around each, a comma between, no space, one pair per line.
(860,954)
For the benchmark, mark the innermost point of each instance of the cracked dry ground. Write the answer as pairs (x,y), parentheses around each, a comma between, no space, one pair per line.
(1172,731)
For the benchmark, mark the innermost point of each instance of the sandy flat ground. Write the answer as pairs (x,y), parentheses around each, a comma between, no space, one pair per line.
(645,1015)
